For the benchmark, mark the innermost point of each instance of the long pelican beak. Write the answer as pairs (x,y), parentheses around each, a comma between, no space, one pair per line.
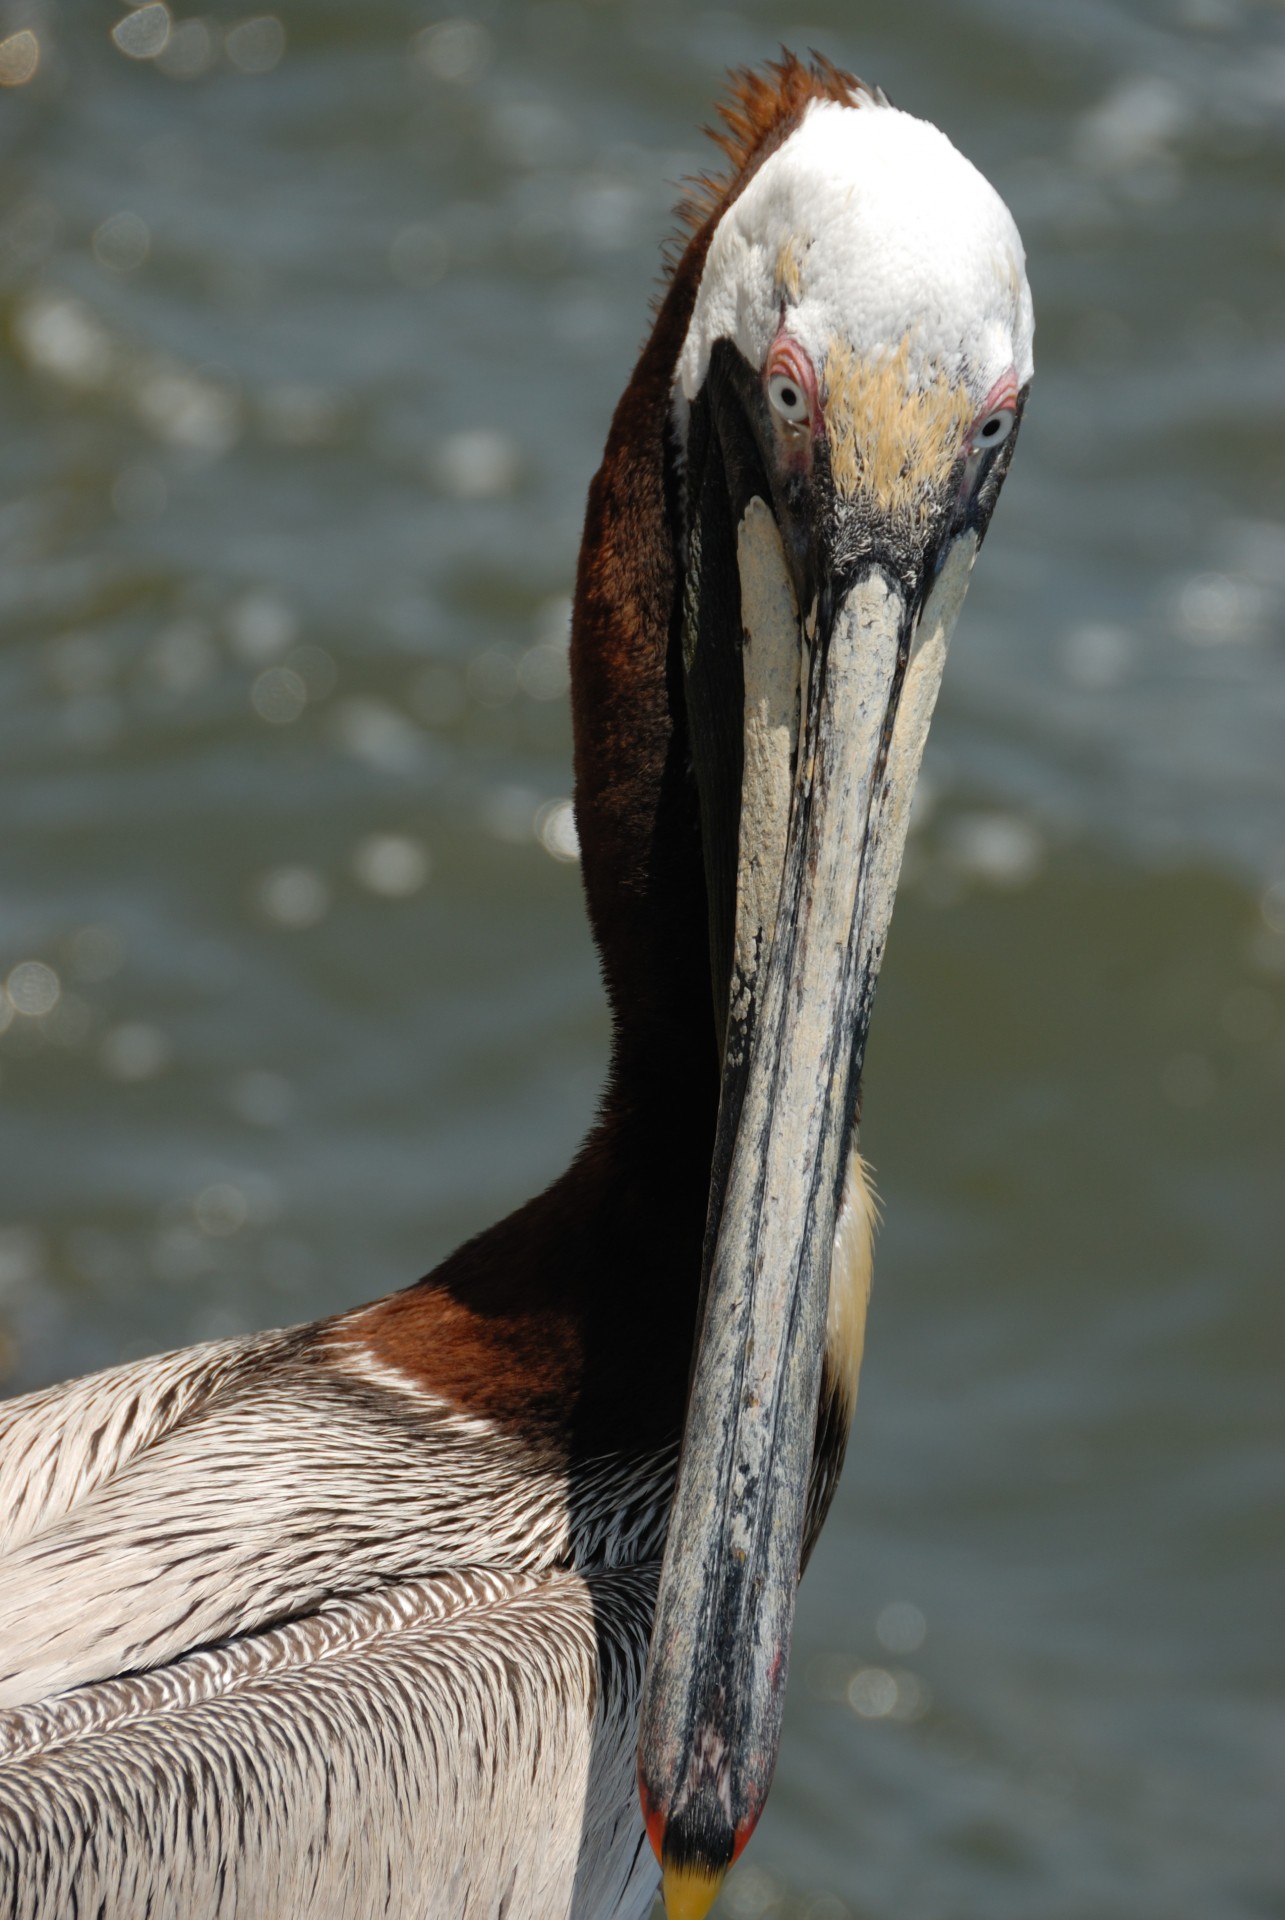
(820,761)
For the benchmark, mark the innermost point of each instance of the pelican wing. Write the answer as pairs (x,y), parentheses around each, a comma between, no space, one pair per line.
(284,1634)
(58,1446)
(161,1508)
(453,1749)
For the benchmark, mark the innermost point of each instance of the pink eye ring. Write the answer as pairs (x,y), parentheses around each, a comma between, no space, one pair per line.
(790,383)
(997,418)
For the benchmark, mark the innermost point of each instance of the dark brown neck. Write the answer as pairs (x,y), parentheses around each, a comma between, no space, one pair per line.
(572,1321)
(636,800)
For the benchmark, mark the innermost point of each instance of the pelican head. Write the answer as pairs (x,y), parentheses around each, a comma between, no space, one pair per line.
(846,399)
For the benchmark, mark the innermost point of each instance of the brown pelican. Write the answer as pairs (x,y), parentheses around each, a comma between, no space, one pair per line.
(353,1619)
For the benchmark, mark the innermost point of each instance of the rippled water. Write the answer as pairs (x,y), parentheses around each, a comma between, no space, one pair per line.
(312,327)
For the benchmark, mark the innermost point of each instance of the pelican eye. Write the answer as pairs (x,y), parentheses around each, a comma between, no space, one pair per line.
(992,431)
(789,399)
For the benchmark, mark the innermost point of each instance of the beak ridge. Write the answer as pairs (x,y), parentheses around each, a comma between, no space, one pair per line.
(720,1646)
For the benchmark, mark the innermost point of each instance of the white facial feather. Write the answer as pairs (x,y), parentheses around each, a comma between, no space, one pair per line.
(893,232)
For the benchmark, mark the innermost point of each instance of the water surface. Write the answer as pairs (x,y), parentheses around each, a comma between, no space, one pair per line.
(312,327)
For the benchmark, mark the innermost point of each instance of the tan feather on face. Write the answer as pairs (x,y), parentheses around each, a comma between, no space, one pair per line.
(894,434)
(789,270)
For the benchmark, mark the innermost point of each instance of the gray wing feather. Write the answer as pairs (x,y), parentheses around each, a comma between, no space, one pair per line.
(451,1749)
(56,1447)
(272,1480)
(284,1637)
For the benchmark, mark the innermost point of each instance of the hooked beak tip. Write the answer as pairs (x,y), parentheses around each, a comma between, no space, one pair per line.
(690,1892)
(690,1879)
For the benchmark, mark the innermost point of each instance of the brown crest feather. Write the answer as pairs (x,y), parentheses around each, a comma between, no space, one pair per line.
(762,107)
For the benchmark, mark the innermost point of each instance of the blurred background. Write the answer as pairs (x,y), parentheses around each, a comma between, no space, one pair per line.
(312,325)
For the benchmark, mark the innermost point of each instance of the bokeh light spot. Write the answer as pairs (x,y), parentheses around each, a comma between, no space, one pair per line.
(122,242)
(1272,906)
(221,1210)
(278,696)
(872,1693)
(294,897)
(456,51)
(190,51)
(1215,609)
(999,848)
(478,464)
(555,829)
(1096,655)
(544,672)
(260,626)
(379,735)
(751,1894)
(201,412)
(391,864)
(19,58)
(33,988)
(145,32)
(183,657)
(135,1050)
(63,339)
(901,1626)
(257,45)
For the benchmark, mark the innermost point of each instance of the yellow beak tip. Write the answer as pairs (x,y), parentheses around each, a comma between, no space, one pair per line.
(689,1892)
